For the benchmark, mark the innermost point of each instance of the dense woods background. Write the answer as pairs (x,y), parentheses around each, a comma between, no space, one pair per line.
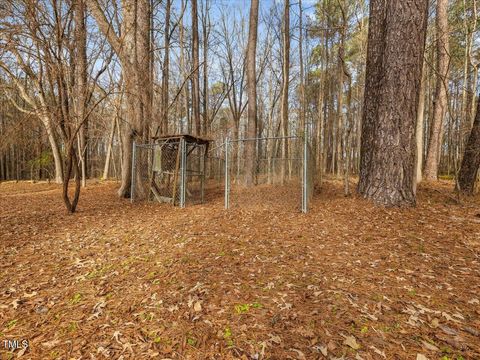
(81,80)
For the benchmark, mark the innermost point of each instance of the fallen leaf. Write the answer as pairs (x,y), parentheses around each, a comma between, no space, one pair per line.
(323,350)
(275,339)
(116,336)
(300,355)
(27,295)
(352,342)
(51,344)
(22,352)
(377,351)
(429,346)
(197,307)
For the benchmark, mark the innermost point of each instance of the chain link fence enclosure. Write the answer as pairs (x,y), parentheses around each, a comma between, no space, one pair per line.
(195,173)
(215,174)
(179,172)
(309,171)
(282,173)
(170,171)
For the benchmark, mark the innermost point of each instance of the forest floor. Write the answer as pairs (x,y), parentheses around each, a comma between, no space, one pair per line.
(136,281)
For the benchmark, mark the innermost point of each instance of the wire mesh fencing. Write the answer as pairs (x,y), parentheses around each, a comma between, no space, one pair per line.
(261,172)
(195,173)
(169,171)
(268,172)
(215,174)
(309,170)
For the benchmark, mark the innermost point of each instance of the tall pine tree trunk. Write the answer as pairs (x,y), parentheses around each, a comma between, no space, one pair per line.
(396,41)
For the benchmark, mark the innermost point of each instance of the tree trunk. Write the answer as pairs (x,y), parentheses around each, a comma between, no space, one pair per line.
(396,41)
(185,105)
(440,100)
(419,128)
(206,35)
(195,70)
(72,168)
(109,149)
(285,83)
(133,50)
(252,94)
(471,159)
(166,68)
(338,126)
(301,116)
(81,85)
(57,156)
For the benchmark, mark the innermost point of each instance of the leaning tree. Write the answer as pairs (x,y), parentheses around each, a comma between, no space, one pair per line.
(471,159)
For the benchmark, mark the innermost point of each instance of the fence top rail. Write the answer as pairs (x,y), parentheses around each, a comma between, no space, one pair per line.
(148,146)
(266,138)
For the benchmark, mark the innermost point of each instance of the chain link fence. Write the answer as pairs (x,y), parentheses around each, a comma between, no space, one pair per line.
(261,172)
(169,171)
(309,171)
(215,174)
(268,172)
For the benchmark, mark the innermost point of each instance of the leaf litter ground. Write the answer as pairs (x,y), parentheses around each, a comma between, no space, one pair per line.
(136,281)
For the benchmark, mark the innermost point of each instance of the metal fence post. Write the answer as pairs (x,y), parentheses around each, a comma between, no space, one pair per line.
(305,174)
(227,174)
(203,165)
(183,167)
(132,182)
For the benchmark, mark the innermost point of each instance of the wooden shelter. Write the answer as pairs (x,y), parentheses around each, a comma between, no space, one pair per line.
(178,168)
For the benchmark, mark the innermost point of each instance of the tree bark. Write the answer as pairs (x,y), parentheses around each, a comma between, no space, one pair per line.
(467,175)
(133,50)
(396,41)
(106,168)
(57,158)
(285,84)
(301,116)
(166,68)
(195,70)
(206,35)
(252,94)
(81,85)
(440,99)
(419,128)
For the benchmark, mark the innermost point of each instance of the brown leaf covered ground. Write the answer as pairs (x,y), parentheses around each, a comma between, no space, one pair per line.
(138,281)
